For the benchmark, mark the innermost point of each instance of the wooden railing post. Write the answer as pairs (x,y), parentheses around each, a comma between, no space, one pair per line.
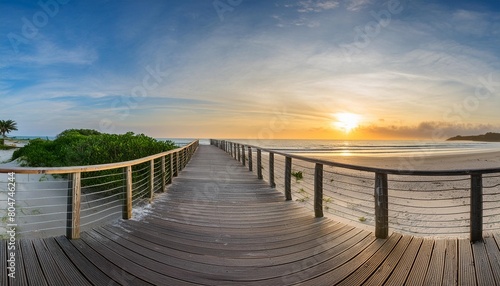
(163,175)
(259,164)
(250,159)
(185,161)
(271,170)
(231,149)
(318,190)
(476,208)
(151,179)
(288,178)
(243,157)
(170,168)
(127,202)
(74,206)
(239,152)
(177,164)
(381,206)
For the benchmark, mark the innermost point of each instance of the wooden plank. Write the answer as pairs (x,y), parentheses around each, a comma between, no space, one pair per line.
(385,269)
(137,273)
(34,273)
(3,263)
(450,275)
(89,271)
(435,273)
(484,272)
(421,265)
(364,271)
(52,272)
(21,279)
(68,269)
(493,251)
(466,271)
(104,261)
(399,275)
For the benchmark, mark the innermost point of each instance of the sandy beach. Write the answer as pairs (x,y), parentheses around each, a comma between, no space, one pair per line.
(423,206)
(478,160)
(6,155)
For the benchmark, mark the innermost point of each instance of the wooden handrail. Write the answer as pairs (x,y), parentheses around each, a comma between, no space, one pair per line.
(90,168)
(75,175)
(380,188)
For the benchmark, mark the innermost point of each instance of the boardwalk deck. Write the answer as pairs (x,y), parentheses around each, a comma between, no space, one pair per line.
(219,225)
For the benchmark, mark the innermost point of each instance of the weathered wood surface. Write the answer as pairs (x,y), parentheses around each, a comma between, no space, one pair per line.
(217,224)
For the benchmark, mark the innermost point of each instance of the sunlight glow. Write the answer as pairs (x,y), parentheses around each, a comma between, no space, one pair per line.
(346,121)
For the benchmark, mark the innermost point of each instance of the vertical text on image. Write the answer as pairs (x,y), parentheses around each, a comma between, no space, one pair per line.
(11,225)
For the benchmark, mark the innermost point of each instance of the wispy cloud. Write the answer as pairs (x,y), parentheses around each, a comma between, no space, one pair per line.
(307,6)
(356,5)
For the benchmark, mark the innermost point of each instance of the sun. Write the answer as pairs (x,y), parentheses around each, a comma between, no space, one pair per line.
(346,121)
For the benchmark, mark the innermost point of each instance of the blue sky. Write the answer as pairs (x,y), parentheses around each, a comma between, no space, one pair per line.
(251,69)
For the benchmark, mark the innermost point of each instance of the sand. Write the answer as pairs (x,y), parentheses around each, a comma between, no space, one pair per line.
(421,206)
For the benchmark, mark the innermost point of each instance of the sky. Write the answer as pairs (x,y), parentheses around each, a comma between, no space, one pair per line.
(252,69)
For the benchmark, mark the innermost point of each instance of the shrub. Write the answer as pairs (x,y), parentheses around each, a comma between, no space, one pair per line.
(298,175)
(89,147)
(80,147)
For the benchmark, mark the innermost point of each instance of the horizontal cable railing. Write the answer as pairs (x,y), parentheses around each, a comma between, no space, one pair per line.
(68,200)
(425,203)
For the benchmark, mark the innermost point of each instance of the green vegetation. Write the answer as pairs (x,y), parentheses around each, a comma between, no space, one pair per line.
(80,147)
(6,126)
(4,147)
(298,175)
(488,137)
(362,219)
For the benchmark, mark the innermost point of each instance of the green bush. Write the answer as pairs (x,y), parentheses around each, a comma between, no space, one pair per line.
(89,147)
(81,147)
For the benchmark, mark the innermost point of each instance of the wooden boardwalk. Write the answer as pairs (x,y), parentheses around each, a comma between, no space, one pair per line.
(218,225)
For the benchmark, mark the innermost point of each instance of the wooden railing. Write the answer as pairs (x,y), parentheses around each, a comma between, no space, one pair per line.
(177,160)
(381,186)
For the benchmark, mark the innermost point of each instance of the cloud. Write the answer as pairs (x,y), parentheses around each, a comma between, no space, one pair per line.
(308,6)
(49,53)
(356,5)
(435,130)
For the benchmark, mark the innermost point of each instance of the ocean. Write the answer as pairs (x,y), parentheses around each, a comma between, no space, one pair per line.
(374,148)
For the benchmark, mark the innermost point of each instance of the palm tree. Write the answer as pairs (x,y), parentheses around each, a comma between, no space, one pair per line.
(7,126)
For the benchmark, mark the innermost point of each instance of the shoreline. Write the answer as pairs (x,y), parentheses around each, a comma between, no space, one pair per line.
(476,160)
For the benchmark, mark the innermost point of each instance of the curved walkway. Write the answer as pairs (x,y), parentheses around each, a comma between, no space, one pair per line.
(219,225)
